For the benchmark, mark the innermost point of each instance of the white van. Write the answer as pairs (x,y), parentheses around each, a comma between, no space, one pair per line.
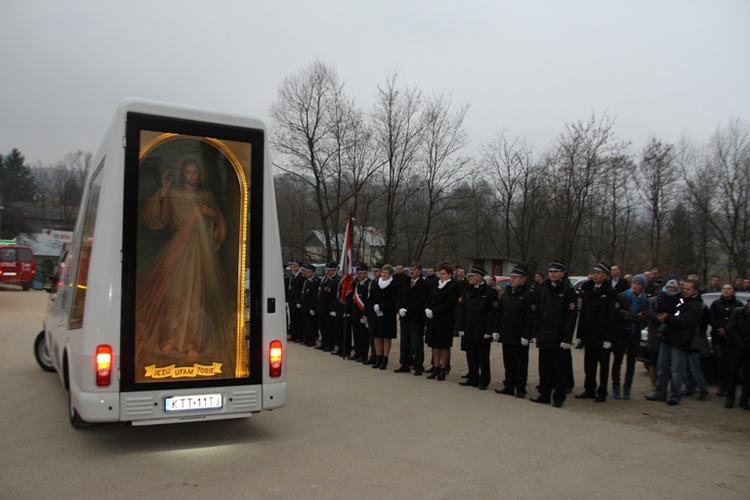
(169,303)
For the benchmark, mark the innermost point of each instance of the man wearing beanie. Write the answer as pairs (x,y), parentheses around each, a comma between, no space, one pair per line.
(632,306)
(596,329)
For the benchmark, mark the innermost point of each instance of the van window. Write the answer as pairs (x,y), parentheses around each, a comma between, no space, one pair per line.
(25,255)
(7,254)
(84,256)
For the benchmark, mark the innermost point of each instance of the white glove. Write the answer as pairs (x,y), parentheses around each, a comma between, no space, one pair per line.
(377,308)
(286,304)
(312,313)
(487,336)
(402,312)
(533,340)
(299,306)
(565,346)
(607,345)
(428,313)
(524,342)
(367,323)
(496,336)
(333,314)
(460,333)
(363,320)
(346,315)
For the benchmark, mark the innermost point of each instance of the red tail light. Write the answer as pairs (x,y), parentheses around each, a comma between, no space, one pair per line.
(275,358)
(103,365)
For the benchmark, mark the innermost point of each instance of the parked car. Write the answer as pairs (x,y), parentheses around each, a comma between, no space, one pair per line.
(17,265)
(707,361)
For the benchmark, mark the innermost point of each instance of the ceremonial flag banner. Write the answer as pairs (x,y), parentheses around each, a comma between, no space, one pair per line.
(347,268)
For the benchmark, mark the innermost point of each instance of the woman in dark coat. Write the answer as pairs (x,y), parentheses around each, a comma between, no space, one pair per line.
(383,298)
(440,311)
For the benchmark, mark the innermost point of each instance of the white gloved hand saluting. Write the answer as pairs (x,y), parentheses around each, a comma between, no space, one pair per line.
(496,336)
(565,346)
(428,313)
(402,312)
(607,345)
(524,342)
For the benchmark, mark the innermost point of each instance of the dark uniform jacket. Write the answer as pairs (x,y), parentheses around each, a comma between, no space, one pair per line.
(478,312)
(555,314)
(361,288)
(327,299)
(385,299)
(598,322)
(294,290)
(309,297)
(514,315)
(442,302)
(413,298)
(683,325)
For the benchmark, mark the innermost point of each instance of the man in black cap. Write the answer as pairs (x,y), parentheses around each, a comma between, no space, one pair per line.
(327,306)
(359,314)
(293,300)
(475,326)
(512,327)
(411,311)
(597,327)
(554,310)
(309,305)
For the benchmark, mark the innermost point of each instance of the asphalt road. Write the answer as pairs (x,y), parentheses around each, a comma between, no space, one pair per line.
(350,431)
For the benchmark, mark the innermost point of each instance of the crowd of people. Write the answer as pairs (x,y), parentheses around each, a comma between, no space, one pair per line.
(606,316)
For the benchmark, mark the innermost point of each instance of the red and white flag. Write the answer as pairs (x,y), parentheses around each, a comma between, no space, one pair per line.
(347,266)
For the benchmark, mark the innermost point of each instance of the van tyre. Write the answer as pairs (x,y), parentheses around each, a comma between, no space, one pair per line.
(75,419)
(41,353)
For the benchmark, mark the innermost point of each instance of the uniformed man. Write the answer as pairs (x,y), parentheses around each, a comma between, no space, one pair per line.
(326,307)
(597,328)
(512,327)
(359,315)
(309,304)
(293,300)
(477,315)
(555,310)
(370,312)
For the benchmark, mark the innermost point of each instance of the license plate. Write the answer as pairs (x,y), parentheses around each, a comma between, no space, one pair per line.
(191,403)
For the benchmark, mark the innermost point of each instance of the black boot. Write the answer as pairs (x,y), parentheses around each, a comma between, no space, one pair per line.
(378,361)
(384,363)
(433,374)
(441,374)
(729,402)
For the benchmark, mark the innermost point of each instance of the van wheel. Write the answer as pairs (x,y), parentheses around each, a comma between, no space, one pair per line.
(41,353)
(26,285)
(75,419)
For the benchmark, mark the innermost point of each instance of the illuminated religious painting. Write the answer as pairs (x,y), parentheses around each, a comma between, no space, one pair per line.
(191,261)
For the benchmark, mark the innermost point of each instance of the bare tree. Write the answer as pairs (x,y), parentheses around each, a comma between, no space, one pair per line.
(577,164)
(519,191)
(303,135)
(398,134)
(658,177)
(726,206)
(441,168)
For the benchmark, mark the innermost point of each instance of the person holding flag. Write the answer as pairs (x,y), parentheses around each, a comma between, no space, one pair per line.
(344,292)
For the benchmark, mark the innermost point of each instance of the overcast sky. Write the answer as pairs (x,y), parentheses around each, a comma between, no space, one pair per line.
(663,68)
